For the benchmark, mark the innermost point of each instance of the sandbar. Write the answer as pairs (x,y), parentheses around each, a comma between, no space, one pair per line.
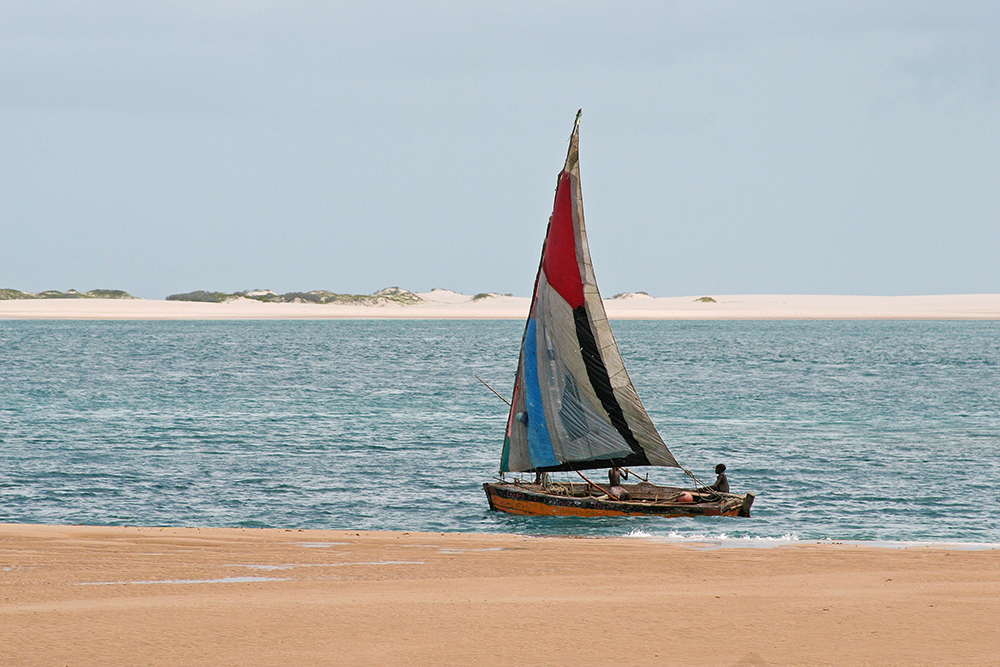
(110,596)
(444,304)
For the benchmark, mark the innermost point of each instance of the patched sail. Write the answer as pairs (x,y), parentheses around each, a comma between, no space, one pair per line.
(574,406)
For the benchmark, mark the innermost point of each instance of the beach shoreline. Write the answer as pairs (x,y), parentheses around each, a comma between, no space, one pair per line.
(88,595)
(443,304)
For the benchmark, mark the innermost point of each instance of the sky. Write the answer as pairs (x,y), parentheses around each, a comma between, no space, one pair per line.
(726,147)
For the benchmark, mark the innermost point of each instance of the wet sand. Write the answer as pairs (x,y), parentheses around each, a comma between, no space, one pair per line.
(152,596)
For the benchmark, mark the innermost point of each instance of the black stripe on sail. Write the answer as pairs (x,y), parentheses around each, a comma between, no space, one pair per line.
(601,382)
(631,460)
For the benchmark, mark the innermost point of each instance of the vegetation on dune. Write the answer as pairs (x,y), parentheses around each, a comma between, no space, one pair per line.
(56,294)
(389,295)
(201,296)
(7,294)
(397,295)
(109,294)
(383,297)
(488,295)
(705,299)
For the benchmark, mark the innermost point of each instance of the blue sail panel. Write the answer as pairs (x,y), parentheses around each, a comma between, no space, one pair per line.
(539,441)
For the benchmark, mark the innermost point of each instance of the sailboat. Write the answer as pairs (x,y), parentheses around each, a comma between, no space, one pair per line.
(574,407)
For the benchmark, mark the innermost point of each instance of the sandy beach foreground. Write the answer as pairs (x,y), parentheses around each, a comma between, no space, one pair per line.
(444,304)
(170,596)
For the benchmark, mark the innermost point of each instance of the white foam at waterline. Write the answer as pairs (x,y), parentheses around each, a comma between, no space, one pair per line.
(724,541)
(718,541)
(225,580)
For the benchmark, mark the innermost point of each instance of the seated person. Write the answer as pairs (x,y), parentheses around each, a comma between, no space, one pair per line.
(615,478)
(721,482)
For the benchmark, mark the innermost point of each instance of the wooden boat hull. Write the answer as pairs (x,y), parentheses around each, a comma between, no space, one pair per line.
(533,500)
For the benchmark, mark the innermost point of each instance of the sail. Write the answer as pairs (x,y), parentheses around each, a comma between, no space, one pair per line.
(574,406)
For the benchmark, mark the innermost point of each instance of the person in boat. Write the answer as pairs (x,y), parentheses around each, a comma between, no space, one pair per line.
(615,479)
(721,481)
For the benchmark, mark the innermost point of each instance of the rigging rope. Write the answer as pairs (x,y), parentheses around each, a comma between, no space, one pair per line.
(699,483)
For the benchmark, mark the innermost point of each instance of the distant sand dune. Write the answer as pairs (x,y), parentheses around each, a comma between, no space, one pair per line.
(445,304)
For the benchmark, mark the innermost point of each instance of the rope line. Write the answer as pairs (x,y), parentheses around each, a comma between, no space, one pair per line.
(700,484)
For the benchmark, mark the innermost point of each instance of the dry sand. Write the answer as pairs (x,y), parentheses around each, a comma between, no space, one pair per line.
(444,304)
(152,596)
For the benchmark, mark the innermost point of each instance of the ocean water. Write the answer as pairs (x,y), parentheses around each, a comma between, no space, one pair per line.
(848,431)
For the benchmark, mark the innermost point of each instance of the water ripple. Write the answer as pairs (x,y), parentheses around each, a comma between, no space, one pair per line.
(871,431)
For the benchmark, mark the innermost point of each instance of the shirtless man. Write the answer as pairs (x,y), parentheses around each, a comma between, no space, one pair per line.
(615,478)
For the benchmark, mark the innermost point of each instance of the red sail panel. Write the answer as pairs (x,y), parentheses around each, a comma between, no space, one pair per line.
(562,269)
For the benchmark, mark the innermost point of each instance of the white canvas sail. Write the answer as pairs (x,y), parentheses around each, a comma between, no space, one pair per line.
(574,406)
